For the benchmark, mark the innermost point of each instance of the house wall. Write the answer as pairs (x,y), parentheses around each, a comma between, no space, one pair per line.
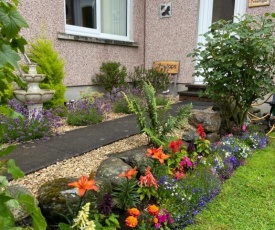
(82,59)
(174,37)
(158,39)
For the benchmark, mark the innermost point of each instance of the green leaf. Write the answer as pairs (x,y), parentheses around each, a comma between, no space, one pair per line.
(12,21)
(28,203)
(8,55)
(14,170)
(7,150)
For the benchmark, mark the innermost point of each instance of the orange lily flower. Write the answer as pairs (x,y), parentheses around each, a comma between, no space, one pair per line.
(153,151)
(129,173)
(84,184)
(157,154)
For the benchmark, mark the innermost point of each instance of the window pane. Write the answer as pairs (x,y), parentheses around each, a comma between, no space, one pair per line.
(114,17)
(81,13)
(223,9)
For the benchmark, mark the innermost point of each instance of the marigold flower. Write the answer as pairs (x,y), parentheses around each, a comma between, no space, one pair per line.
(84,184)
(155,220)
(153,210)
(148,179)
(201,132)
(131,221)
(129,173)
(134,212)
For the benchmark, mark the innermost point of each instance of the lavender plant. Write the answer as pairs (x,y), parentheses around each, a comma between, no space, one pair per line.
(85,112)
(19,127)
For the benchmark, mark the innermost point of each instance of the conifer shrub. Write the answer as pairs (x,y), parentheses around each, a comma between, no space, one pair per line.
(42,52)
(112,75)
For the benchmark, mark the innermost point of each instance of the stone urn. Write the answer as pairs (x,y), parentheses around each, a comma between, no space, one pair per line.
(34,97)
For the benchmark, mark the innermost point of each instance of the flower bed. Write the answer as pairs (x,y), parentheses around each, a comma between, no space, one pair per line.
(178,182)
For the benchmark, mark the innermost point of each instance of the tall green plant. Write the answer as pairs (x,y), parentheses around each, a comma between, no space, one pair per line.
(112,75)
(42,52)
(155,122)
(11,43)
(237,63)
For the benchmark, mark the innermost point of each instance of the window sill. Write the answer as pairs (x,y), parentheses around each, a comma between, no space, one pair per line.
(63,36)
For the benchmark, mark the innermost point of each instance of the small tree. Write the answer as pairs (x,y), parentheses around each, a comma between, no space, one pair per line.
(237,63)
(42,52)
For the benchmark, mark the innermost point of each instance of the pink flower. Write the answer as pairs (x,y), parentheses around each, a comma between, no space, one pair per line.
(148,179)
(186,162)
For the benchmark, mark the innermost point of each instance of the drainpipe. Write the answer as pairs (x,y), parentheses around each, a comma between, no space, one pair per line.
(144,35)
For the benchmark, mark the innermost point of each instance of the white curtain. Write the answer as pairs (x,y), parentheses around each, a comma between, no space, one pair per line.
(114,17)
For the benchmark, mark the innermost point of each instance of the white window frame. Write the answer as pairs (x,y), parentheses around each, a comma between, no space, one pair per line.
(96,33)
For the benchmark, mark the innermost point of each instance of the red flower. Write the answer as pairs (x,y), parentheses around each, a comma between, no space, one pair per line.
(175,145)
(201,132)
(83,184)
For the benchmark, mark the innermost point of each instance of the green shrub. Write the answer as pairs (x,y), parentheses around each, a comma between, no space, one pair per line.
(112,75)
(161,99)
(121,106)
(159,79)
(41,51)
(237,63)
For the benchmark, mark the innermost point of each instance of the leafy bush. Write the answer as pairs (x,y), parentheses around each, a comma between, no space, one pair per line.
(83,112)
(11,44)
(112,75)
(160,123)
(41,51)
(237,63)
(159,79)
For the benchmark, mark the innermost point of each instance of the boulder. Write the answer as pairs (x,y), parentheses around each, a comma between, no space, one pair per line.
(56,198)
(135,157)
(15,191)
(111,168)
(210,120)
(190,133)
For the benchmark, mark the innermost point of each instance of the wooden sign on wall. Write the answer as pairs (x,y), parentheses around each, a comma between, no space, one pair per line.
(172,67)
(254,3)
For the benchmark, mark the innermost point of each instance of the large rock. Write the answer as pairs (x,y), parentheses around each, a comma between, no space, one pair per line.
(135,157)
(15,191)
(56,198)
(210,120)
(190,133)
(111,168)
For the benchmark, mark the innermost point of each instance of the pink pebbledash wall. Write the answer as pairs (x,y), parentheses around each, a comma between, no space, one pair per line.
(82,59)
(172,38)
(157,38)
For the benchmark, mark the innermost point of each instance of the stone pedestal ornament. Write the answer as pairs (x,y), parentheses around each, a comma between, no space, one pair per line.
(34,97)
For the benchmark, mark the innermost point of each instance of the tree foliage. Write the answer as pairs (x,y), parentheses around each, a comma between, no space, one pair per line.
(237,63)
(11,43)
